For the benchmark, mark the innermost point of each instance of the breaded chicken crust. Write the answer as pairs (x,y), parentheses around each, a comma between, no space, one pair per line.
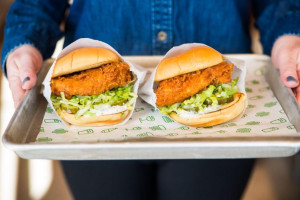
(92,81)
(179,88)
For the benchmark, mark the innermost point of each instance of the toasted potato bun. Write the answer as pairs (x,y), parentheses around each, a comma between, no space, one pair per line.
(101,120)
(226,113)
(87,73)
(82,59)
(192,60)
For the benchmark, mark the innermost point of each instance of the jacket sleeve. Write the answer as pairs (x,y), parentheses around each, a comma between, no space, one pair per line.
(275,18)
(34,22)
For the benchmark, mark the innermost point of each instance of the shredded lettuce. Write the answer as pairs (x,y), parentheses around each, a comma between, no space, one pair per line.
(90,104)
(213,95)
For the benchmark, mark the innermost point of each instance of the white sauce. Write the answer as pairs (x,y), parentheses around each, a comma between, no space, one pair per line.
(191,114)
(109,110)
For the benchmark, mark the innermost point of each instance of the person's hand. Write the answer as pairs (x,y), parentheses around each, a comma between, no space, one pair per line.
(21,66)
(286,57)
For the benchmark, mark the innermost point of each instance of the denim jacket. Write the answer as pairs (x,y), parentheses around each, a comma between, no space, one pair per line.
(149,27)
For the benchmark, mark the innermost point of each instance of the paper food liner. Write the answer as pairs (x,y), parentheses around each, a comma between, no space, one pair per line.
(147,89)
(86,42)
(263,117)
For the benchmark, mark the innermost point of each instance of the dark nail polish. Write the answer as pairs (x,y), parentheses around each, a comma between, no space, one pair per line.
(25,80)
(290,78)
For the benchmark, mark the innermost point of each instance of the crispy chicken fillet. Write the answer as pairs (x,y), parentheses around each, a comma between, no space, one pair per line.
(179,88)
(92,81)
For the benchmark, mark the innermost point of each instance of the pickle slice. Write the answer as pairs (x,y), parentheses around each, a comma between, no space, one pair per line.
(220,101)
(69,108)
(225,100)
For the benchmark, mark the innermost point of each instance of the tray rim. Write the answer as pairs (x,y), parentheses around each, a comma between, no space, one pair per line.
(222,142)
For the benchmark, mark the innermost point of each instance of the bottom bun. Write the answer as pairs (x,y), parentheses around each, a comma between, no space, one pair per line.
(226,113)
(101,120)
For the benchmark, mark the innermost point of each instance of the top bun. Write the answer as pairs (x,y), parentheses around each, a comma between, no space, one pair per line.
(82,59)
(192,60)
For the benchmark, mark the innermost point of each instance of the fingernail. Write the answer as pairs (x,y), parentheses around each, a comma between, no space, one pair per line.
(25,80)
(290,78)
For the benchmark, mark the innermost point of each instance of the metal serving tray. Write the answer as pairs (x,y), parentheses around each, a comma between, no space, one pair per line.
(22,131)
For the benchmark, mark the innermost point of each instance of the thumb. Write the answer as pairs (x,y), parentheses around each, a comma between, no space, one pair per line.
(286,60)
(285,55)
(288,74)
(27,72)
(28,65)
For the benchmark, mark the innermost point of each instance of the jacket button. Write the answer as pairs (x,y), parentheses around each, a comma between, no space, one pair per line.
(162,36)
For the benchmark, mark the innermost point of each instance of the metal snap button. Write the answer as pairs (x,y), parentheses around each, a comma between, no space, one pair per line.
(162,36)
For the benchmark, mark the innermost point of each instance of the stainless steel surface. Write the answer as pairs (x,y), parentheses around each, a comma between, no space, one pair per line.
(25,124)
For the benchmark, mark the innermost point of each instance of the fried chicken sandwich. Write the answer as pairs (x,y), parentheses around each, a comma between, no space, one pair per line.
(92,87)
(195,88)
